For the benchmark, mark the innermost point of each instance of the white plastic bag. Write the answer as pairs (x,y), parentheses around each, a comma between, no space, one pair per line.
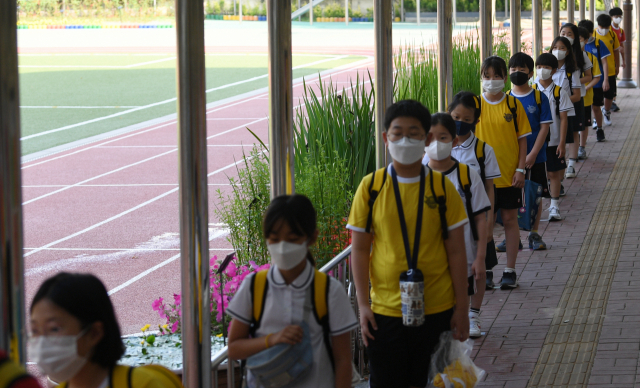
(451,364)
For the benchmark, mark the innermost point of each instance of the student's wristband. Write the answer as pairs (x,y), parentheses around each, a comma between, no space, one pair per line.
(520,170)
(266,340)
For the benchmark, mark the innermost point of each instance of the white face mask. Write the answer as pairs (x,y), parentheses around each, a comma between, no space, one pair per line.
(544,74)
(617,20)
(603,31)
(57,356)
(569,39)
(560,54)
(493,86)
(437,150)
(406,150)
(286,255)
(582,44)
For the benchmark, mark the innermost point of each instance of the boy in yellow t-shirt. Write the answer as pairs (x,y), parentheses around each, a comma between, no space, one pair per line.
(504,126)
(588,98)
(607,37)
(385,213)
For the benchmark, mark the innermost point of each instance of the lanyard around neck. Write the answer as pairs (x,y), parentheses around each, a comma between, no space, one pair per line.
(412,260)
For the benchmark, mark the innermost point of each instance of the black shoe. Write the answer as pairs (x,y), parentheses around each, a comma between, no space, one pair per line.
(600,135)
(490,284)
(508,281)
(615,107)
(562,192)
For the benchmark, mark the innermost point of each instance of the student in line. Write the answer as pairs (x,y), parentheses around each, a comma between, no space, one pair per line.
(583,67)
(504,126)
(392,242)
(589,92)
(601,53)
(608,38)
(76,340)
(616,21)
(471,188)
(289,226)
(465,110)
(521,68)
(560,105)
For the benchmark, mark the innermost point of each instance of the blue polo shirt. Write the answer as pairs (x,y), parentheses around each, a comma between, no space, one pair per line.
(536,117)
(604,52)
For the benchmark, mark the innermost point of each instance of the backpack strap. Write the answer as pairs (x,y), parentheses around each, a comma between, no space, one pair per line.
(556,96)
(319,298)
(569,77)
(438,192)
(259,288)
(120,376)
(513,109)
(481,156)
(464,178)
(377,182)
(538,100)
(165,374)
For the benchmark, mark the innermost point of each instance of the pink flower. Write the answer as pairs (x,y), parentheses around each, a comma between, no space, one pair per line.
(177,298)
(174,327)
(157,304)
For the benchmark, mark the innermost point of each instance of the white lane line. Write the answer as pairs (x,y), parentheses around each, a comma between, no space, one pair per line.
(172,146)
(96,66)
(125,249)
(77,107)
(163,102)
(99,176)
(134,279)
(233,118)
(122,185)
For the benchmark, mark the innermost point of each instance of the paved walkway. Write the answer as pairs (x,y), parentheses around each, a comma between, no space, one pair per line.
(574,320)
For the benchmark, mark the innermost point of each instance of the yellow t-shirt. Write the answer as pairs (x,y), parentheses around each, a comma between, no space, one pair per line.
(595,71)
(388,258)
(496,128)
(611,41)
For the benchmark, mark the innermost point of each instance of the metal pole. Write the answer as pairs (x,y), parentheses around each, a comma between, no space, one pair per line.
(311,12)
(383,72)
(417,10)
(555,17)
(445,53)
(515,26)
(536,8)
(12,309)
(346,12)
(240,11)
(299,17)
(592,10)
(506,8)
(486,36)
(637,41)
(194,211)
(571,11)
(583,10)
(402,10)
(280,97)
(627,82)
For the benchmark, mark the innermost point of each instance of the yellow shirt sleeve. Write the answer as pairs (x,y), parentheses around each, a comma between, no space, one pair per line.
(360,206)
(456,212)
(524,127)
(595,71)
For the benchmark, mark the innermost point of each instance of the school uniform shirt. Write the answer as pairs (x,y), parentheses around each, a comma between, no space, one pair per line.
(496,128)
(619,33)
(285,305)
(587,65)
(596,73)
(560,78)
(600,52)
(610,40)
(479,204)
(565,106)
(388,258)
(466,153)
(537,116)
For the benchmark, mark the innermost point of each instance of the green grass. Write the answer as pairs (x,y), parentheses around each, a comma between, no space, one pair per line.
(126,80)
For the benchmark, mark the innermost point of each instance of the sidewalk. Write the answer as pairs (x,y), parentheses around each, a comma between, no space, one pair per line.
(574,319)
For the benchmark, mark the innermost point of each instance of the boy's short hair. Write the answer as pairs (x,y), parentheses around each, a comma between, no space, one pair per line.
(615,11)
(587,24)
(604,20)
(446,121)
(408,108)
(547,59)
(521,60)
(496,63)
(469,100)
(584,33)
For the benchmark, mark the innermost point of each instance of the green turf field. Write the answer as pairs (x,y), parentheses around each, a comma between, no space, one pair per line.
(59,90)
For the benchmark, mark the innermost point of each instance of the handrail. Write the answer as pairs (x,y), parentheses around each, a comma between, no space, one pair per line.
(222,355)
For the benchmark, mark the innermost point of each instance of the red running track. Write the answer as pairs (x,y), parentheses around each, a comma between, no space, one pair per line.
(111,207)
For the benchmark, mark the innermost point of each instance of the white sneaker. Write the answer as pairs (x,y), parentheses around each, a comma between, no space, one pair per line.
(554,214)
(474,328)
(607,117)
(570,173)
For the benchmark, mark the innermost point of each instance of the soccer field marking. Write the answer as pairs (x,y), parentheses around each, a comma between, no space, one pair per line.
(169,146)
(124,249)
(119,185)
(233,118)
(124,213)
(163,102)
(96,66)
(99,176)
(78,107)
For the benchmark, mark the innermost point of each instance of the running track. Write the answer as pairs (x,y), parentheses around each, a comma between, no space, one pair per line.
(111,207)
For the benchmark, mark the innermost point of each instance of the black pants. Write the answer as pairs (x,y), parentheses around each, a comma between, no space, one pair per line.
(400,356)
